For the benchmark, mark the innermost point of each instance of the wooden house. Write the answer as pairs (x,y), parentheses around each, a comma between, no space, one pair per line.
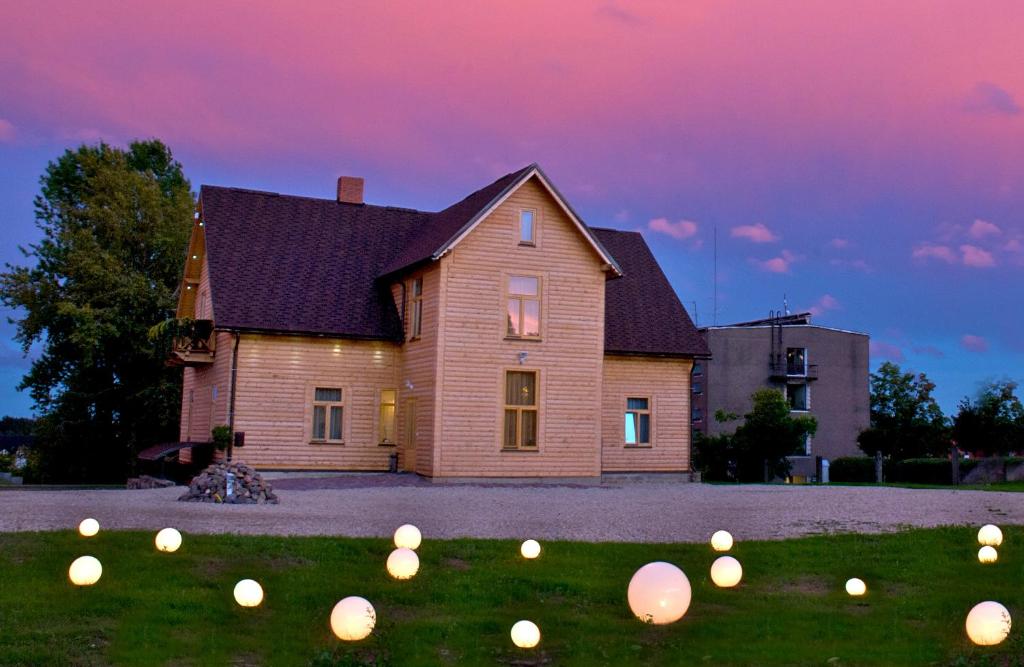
(500,337)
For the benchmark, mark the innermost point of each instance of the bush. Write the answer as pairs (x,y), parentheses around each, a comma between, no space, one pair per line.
(852,469)
(6,463)
(927,471)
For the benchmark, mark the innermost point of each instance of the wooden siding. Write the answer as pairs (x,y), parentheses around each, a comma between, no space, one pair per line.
(273,403)
(210,389)
(475,353)
(667,383)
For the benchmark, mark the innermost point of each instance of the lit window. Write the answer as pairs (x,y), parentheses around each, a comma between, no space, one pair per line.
(523,307)
(520,410)
(417,307)
(328,412)
(796,361)
(387,416)
(527,227)
(638,421)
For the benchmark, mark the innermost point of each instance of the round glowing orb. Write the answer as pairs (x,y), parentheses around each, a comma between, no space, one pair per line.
(525,634)
(990,535)
(403,563)
(856,587)
(88,527)
(988,554)
(659,593)
(353,619)
(530,549)
(85,571)
(168,539)
(726,572)
(248,593)
(721,540)
(988,623)
(408,536)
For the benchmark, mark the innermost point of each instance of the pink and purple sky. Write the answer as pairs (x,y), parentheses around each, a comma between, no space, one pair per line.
(865,159)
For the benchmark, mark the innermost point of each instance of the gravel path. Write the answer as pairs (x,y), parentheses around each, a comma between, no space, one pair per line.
(640,512)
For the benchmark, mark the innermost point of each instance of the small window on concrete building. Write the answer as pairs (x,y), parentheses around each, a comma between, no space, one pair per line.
(698,388)
(797,394)
(696,415)
(387,416)
(796,361)
(328,411)
(638,421)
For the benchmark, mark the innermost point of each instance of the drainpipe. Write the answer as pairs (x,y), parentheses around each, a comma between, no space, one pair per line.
(231,398)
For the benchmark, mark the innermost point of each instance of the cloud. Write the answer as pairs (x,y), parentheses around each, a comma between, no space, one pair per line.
(825,303)
(858,264)
(929,350)
(6,130)
(839,243)
(976,257)
(683,229)
(988,98)
(877,348)
(778,264)
(933,251)
(974,343)
(757,233)
(1014,245)
(981,228)
(622,216)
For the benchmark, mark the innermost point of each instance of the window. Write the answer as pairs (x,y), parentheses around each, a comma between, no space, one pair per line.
(797,396)
(523,307)
(417,308)
(697,388)
(520,410)
(698,368)
(527,227)
(696,415)
(638,421)
(387,416)
(796,361)
(328,411)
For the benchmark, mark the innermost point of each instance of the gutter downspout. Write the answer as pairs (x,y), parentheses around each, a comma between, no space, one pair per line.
(231,399)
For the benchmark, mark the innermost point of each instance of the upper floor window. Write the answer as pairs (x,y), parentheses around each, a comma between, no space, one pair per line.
(638,421)
(523,309)
(387,416)
(328,411)
(417,308)
(527,227)
(698,368)
(797,395)
(520,410)
(697,388)
(796,361)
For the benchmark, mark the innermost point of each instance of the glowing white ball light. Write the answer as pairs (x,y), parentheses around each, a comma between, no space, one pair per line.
(88,527)
(659,593)
(248,593)
(726,572)
(990,536)
(856,587)
(721,541)
(85,571)
(988,554)
(525,634)
(403,563)
(530,549)
(988,623)
(353,619)
(408,536)
(168,539)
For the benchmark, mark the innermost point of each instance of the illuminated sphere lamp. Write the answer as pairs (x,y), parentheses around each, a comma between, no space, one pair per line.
(721,540)
(168,540)
(88,527)
(403,563)
(726,572)
(85,571)
(408,536)
(990,536)
(659,593)
(530,549)
(248,593)
(988,623)
(353,619)
(987,554)
(856,587)
(525,634)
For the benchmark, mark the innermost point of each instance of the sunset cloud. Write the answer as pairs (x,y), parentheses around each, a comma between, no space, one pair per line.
(839,243)
(780,264)
(981,228)
(878,349)
(977,257)
(987,97)
(974,343)
(933,251)
(826,303)
(929,351)
(683,229)
(758,233)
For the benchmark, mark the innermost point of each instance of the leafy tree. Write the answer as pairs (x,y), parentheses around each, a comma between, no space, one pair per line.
(906,421)
(115,224)
(993,423)
(17,425)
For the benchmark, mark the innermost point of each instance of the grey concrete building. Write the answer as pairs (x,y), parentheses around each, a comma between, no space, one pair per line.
(822,371)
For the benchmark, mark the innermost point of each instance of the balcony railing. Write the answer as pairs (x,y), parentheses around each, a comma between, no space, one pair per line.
(194,345)
(784,369)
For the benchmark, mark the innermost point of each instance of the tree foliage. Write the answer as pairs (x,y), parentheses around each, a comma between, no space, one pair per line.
(114,228)
(992,423)
(906,421)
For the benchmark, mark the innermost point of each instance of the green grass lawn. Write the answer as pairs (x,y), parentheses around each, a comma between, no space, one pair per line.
(152,608)
(1013,487)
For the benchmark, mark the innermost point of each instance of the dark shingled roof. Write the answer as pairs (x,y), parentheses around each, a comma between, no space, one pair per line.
(312,266)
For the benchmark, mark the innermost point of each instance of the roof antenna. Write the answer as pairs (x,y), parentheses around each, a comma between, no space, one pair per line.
(785,303)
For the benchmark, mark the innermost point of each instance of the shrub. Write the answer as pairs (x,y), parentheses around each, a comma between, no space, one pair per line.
(852,469)
(926,471)
(6,463)
(221,436)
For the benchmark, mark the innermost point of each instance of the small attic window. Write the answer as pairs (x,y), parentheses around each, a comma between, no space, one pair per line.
(527,227)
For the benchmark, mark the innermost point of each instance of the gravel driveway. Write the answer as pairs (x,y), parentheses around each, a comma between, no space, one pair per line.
(633,512)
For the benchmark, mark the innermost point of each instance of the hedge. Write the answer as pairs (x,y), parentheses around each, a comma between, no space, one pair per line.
(852,469)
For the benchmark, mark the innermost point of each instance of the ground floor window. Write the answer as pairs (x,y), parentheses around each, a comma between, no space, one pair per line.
(387,416)
(328,413)
(798,397)
(520,430)
(638,421)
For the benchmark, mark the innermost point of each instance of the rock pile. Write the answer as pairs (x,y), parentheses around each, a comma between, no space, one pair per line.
(248,486)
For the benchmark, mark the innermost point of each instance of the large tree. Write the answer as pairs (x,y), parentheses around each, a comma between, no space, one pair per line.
(992,423)
(114,224)
(906,421)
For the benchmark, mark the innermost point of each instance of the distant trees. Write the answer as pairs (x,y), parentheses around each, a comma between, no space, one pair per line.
(906,421)
(993,422)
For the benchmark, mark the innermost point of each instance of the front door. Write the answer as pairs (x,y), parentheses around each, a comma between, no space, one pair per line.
(409,454)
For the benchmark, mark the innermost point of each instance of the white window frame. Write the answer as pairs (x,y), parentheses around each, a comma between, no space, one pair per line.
(328,407)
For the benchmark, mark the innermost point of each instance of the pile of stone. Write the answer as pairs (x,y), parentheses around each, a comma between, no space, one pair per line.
(149,482)
(234,483)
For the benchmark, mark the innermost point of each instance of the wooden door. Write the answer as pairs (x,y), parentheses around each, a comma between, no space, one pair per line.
(409,452)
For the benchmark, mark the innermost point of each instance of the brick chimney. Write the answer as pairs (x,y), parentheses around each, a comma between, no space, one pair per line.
(350,190)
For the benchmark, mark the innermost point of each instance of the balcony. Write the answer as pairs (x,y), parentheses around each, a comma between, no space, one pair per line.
(783,370)
(194,344)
